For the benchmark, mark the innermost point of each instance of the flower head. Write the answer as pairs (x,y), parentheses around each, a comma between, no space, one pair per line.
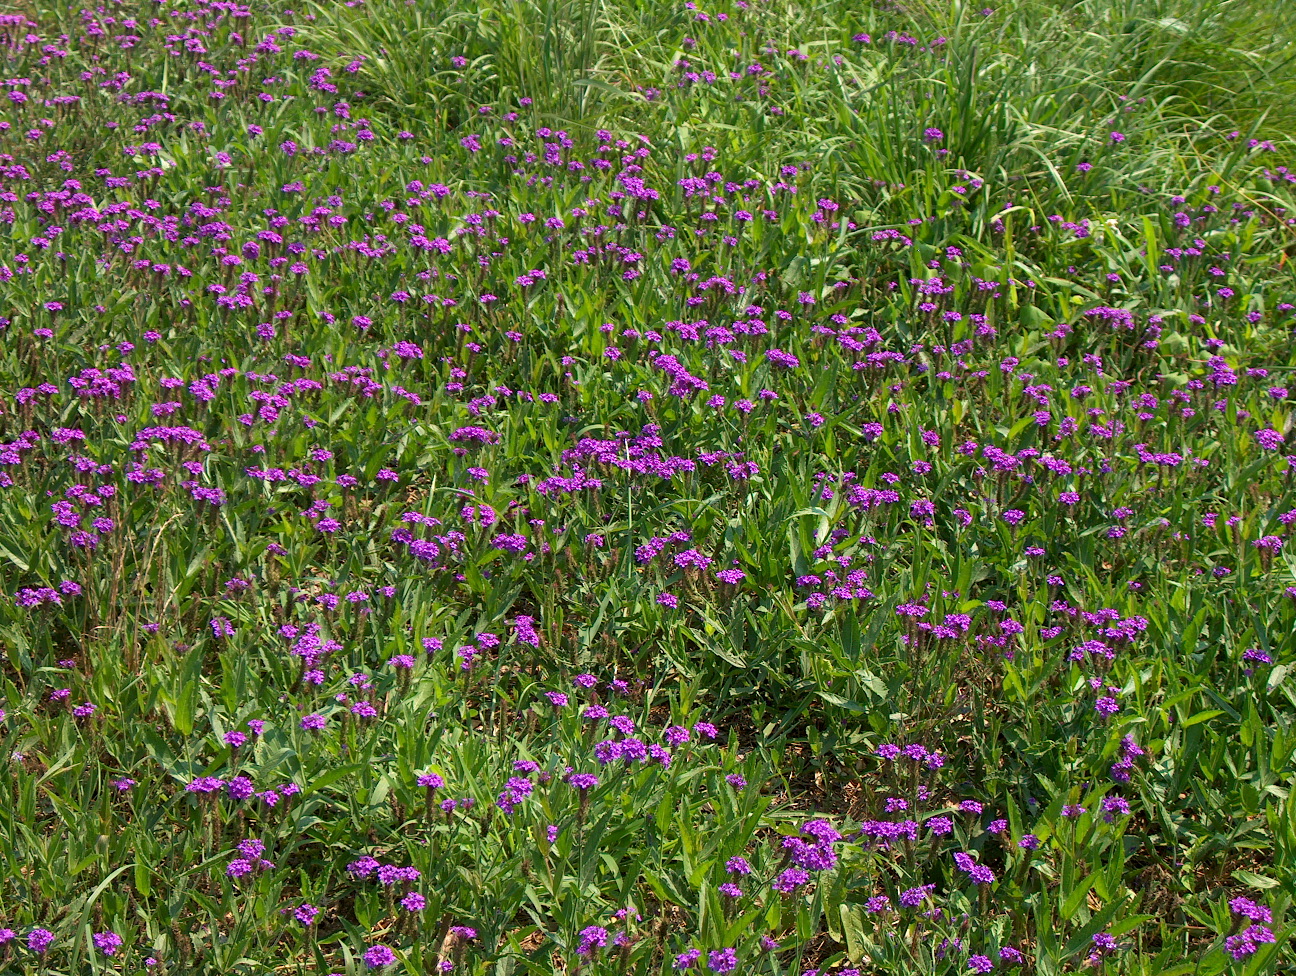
(377,956)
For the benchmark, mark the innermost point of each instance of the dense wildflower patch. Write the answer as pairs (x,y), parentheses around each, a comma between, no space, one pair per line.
(765,503)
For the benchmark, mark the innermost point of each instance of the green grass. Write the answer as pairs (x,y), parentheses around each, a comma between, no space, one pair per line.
(998,306)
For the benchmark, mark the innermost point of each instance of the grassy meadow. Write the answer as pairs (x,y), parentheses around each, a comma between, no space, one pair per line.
(578,487)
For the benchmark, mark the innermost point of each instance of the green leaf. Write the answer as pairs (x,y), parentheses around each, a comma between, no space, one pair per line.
(1076,898)
(1261,881)
(1084,938)
(853,927)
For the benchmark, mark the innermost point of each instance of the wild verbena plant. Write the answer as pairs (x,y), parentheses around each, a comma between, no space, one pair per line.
(589,487)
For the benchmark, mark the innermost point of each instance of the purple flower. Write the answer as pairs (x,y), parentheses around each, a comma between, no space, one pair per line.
(914,897)
(39,941)
(591,938)
(1106,706)
(377,956)
(738,865)
(777,357)
(1248,941)
(722,960)
(363,867)
(790,880)
(1249,909)
(1269,439)
(940,826)
(1113,807)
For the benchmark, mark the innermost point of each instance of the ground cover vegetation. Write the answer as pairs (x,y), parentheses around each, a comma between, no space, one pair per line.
(573,486)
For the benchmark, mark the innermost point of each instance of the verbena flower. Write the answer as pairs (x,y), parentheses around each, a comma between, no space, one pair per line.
(377,956)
